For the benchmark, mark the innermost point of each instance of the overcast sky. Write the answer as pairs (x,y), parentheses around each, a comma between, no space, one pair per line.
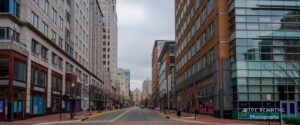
(140,23)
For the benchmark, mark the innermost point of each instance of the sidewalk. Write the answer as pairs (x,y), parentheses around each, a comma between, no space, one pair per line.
(211,119)
(50,118)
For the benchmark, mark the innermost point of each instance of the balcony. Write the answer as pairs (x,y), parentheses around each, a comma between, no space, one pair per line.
(8,35)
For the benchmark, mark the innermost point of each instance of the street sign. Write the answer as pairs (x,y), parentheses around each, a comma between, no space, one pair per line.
(269,97)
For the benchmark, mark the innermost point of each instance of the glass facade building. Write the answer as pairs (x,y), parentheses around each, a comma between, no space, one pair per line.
(264,36)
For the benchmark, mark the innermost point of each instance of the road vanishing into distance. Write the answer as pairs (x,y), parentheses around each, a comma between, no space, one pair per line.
(129,116)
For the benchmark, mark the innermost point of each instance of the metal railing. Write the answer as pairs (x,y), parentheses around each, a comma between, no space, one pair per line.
(9,35)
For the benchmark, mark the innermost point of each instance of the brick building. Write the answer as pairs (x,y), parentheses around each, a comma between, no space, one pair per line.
(232,55)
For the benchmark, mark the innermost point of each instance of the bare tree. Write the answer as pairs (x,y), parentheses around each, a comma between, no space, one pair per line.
(287,70)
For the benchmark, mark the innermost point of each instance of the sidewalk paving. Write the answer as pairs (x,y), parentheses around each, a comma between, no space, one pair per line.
(211,119)
(50,118)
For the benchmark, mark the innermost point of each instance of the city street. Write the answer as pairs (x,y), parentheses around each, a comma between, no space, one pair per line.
(131,114)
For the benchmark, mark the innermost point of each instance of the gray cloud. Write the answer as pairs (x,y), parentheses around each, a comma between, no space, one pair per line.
(140,23)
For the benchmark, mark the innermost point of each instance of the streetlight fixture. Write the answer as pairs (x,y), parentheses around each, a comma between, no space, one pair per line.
(72,99)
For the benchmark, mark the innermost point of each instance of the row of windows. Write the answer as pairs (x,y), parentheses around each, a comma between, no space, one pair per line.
(257,3)
(54,15)
(81,60)
(196,67)
(81,46)
(268,19)
(266,12)
(45,30)
(266,65)
(263,97)
(264,73)
(266,34)
(265,57)
(191,15)
(266,42)
(37,49)
(266,49)
(267,26)
(80,30)
(195,47)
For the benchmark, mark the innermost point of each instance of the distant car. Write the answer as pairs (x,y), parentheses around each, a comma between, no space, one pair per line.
(142,107)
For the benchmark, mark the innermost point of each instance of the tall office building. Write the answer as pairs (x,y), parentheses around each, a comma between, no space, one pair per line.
(122,81)
(136,97)
(109,44)
(44,55)
(232,55)
(166,60)
(157,48)
(147,89)
(127,77)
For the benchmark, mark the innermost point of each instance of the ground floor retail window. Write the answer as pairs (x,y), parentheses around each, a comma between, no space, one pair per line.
(37,104)
(4,67)
(56,102)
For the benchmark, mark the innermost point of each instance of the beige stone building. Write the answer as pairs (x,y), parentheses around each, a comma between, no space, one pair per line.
(136,97)
(147,89)
(124,91)
(109,45)
(45,53)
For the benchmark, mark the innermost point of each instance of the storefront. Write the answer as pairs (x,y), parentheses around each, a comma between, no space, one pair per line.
(38,90)
(73,90)
(205,99)
(56,92)
(13,77)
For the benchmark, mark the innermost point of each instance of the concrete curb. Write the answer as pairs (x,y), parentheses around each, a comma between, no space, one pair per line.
(101,113)
(161,114)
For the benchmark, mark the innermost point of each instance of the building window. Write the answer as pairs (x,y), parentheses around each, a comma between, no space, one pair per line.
(68,86)
(44,53)
(46,6)
(203,16)
(45,27)
(69,49)
(34,47)
(34,20)
(61,23)
(53,36)
(36,1)
(197,3)
(60,42)
(203,38)
(204,62)
(54,61)
(68,17)
(211,55)
(44,79)
(60,62)
(4,67)
(18,6)
(211,30)
(193,50)
(34,76)
(198,44)
(198,22)
(53,82)
(210,5)
(54,15)
(59,83)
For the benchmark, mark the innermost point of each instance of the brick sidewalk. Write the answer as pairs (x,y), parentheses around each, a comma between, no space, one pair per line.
(49,118)
(211,119)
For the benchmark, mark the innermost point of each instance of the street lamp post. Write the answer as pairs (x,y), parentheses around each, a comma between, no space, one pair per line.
(72,99)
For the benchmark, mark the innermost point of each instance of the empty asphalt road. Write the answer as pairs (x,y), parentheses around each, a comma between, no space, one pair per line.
(132,115)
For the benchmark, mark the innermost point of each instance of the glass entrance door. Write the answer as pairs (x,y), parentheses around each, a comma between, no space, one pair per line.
(288,109)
